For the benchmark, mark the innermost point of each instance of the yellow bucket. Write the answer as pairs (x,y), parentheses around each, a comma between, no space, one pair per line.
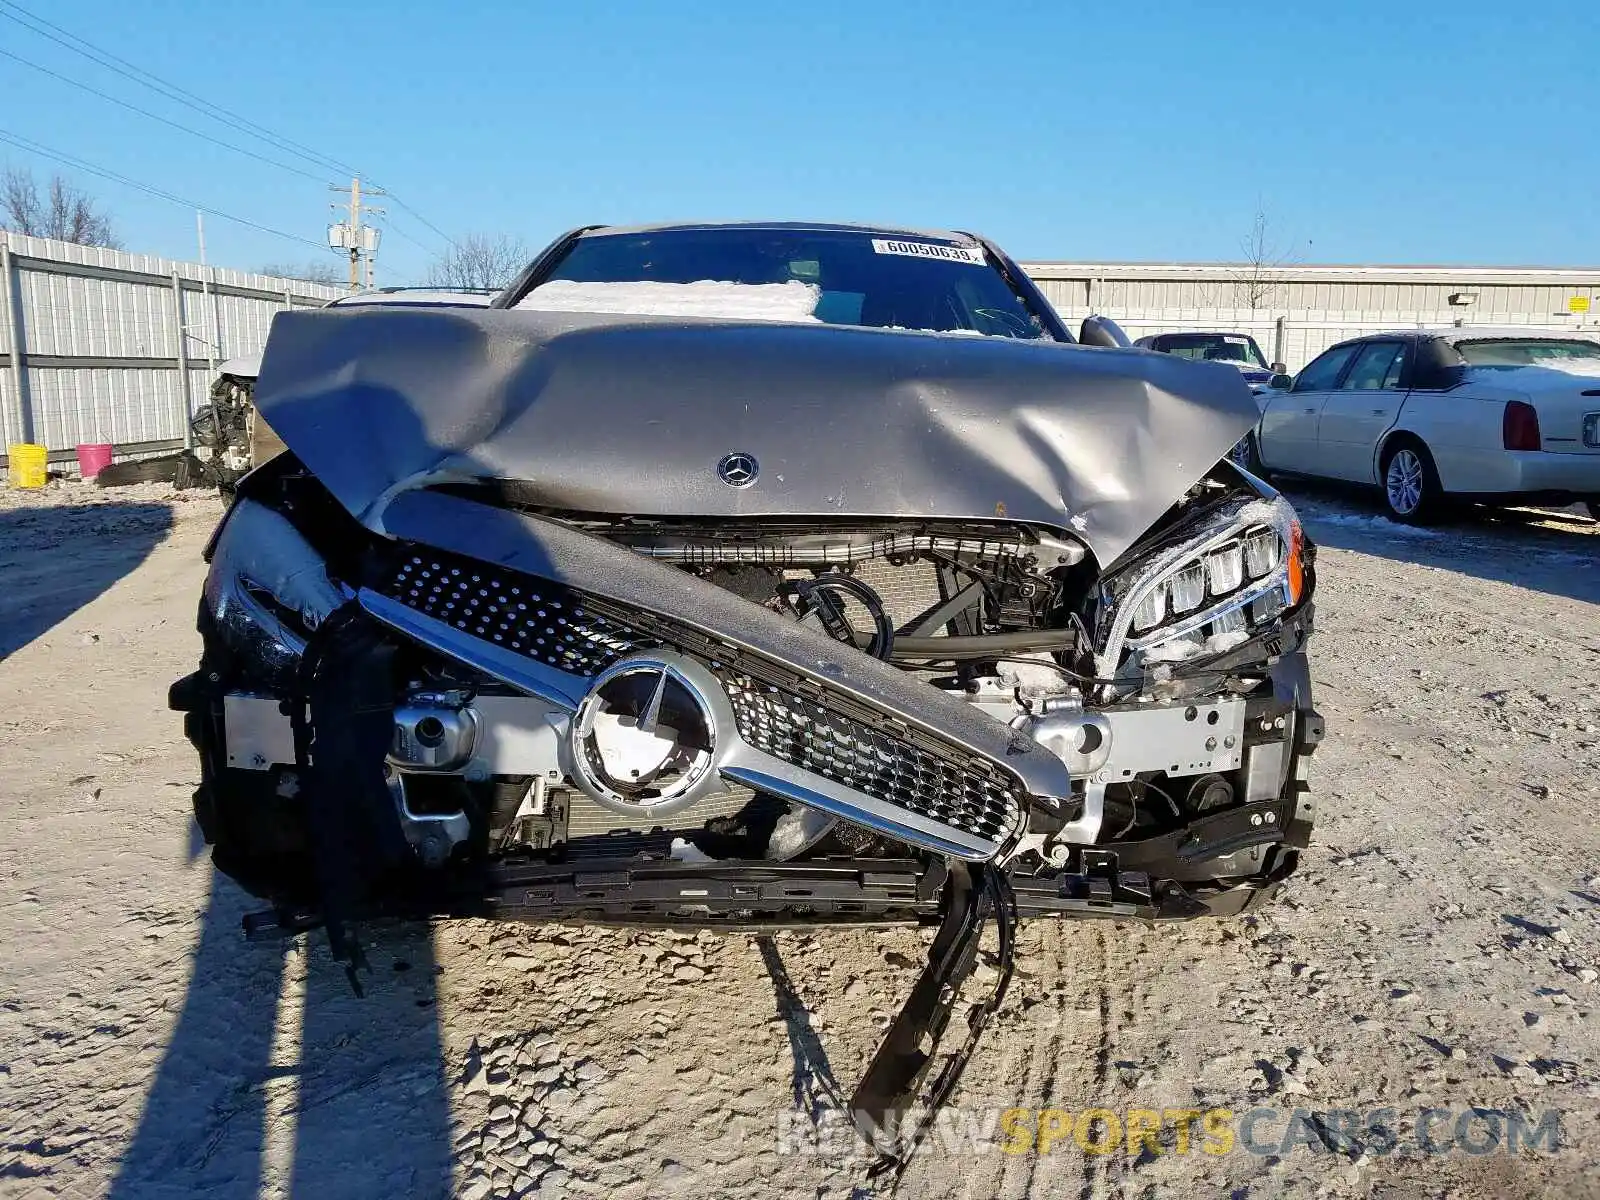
(29,465)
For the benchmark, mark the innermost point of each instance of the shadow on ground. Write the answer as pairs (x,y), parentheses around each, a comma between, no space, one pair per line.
(812,1083)
(56,560)
(1556,551)
(262,1091)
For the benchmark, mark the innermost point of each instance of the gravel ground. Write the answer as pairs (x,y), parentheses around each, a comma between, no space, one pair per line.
(1439,949)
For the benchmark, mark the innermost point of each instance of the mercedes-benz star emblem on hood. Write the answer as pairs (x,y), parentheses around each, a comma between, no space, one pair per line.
(738,469)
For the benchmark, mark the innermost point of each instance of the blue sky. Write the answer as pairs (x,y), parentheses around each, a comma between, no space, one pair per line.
(1367,132)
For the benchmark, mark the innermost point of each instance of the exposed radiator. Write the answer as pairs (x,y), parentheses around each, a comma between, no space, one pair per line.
(906,590)
(585,818)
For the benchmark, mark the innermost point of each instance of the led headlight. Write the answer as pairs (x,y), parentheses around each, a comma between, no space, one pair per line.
(1151,610)
(1188,588)
(1231,621)
(1266,607)
(1225,570)
(1262,551)
(1237,575)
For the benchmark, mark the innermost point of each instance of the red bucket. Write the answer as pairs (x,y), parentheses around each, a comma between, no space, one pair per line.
(94,458)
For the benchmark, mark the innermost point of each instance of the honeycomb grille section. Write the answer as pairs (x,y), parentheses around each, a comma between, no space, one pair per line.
(560,627)
(530,616)
(807,735)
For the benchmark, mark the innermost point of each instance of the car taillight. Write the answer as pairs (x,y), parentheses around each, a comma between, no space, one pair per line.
(1519,428)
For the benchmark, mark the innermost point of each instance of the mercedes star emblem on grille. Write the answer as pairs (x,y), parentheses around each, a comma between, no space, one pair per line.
(738,469)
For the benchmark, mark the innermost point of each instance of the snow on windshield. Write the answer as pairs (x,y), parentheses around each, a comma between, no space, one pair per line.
(1560,354)
(791,301)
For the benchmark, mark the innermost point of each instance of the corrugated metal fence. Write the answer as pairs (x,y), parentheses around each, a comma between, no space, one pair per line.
(1299,311)
(105,346)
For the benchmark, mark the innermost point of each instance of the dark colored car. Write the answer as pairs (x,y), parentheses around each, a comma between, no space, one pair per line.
(1238,349)
(749,574)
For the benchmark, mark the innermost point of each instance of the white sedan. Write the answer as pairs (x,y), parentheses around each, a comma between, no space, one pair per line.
(1498,416)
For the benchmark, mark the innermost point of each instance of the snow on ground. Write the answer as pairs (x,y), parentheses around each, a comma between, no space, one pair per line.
(1377,524)
(791,301)
(1439,950)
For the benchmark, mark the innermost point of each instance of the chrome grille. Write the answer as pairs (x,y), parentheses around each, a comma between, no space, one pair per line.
(814,738)
(563,628)
(541,620)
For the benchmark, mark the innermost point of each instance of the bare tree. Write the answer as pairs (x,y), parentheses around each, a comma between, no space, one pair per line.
(311,272)
(1258,279)
(480,260)
(64,213)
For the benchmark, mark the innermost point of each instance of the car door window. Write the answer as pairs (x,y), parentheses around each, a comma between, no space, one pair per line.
(1322,374)
(1378,366)
(1391,378)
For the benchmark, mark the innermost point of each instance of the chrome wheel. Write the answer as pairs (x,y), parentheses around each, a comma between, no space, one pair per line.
(1404,481)
(1247,454)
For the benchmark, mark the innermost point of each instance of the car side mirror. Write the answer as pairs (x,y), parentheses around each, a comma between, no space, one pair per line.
(1281,382)
(1102,331)
(1279,369)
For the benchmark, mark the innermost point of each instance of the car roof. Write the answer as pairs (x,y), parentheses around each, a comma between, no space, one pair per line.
(1452,334)
(1474,333)
(1154,337)
(460,298)
(785,226)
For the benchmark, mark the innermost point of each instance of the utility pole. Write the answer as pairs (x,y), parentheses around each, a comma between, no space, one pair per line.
(360,240)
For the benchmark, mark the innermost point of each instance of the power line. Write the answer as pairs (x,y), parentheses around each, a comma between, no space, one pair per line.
(41,26)
(449,241)
(70,160)
(216,112)
(393,228)
(143,112)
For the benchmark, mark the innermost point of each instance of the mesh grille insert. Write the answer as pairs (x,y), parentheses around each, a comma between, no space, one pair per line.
(531,616)
(562,628)
(807,735)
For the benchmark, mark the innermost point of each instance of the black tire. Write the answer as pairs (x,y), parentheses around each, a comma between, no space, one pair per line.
(191,473)
(1247,454)
(1410,483)
(145,470)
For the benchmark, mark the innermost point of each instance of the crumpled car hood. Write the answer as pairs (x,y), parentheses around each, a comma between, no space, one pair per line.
(631,415)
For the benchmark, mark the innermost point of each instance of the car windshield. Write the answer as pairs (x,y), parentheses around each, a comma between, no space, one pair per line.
(839,277)
(1213,347)
(1531,352)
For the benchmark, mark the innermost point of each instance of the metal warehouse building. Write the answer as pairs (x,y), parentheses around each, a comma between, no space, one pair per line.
(1296,312)
(106,346)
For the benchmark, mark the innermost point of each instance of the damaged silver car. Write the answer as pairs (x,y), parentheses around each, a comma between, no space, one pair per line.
(753,574)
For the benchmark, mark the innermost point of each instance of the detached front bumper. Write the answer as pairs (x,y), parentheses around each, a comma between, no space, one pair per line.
(1217,865)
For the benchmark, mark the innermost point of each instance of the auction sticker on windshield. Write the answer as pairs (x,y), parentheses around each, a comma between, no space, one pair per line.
(963,254)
